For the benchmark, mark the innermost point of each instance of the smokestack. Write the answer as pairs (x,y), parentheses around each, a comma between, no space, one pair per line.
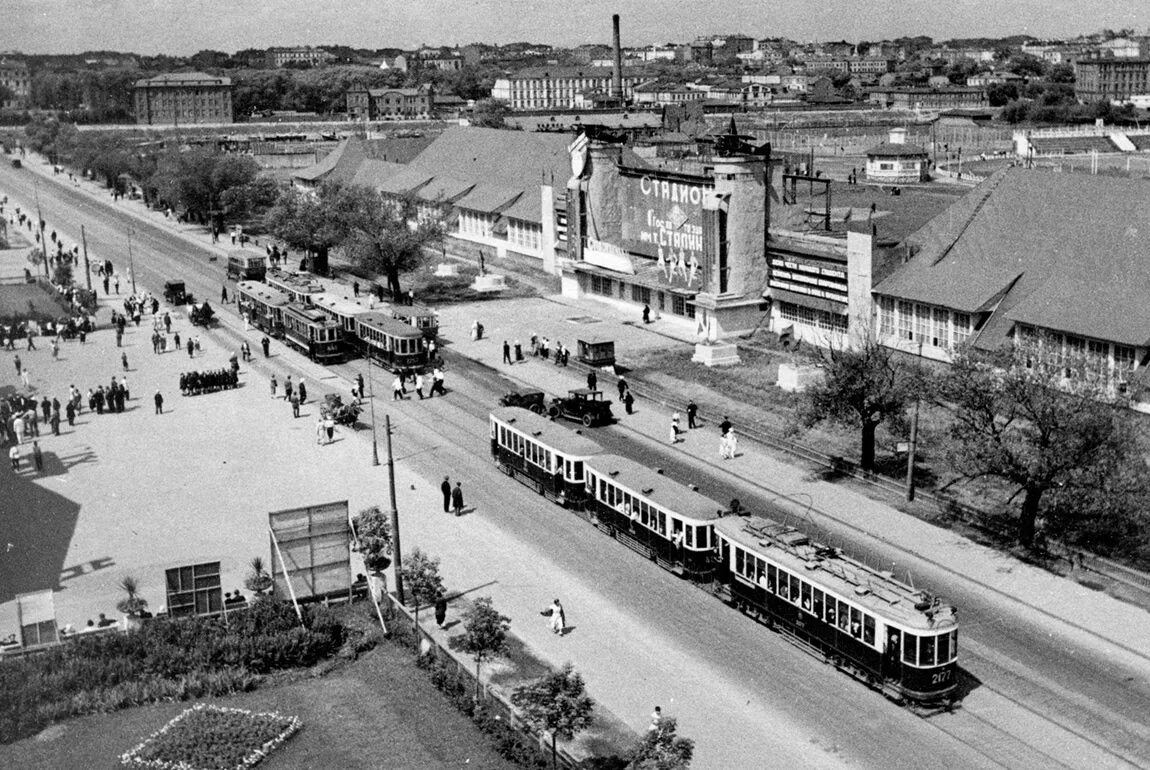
(617,81)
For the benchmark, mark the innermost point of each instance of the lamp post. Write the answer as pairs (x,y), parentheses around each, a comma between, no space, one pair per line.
(40,224)
(394,515)
(913,442)
(131,262)
(371,398)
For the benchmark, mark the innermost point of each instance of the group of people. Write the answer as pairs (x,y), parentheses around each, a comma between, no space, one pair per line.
(418,382)
(195,383)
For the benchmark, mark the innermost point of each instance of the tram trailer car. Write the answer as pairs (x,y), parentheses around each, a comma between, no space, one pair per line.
(346,312)
(542,455)
(898,639)
(300,287)
(420,316)
(395,345)
(263,306)
(310,331)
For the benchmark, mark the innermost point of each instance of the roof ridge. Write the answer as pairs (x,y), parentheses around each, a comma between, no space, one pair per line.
(991,185)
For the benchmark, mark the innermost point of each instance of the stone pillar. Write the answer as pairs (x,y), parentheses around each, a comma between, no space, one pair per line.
(604,205)
(860,303)
(741,178)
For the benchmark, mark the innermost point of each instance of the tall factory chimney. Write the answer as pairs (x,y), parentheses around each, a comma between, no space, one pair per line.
(617,79)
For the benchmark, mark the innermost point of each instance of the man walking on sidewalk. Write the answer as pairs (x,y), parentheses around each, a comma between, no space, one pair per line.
(445,488)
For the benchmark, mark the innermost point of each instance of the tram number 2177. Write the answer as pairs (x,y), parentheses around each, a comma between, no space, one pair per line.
(940,677)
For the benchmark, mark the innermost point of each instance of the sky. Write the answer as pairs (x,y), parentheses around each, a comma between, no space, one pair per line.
(182,27)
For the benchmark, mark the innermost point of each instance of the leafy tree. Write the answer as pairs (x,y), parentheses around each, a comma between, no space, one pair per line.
(304,222)
(1061,73)
(62,273)
(999,94)
(484,634)
(373,533)
(556,703)
(862,388)
(662,749)
(490,113)
(1103,508)
(133,604)
(422,581)
(1016,424)
(251,200)
(381,234)
(196,179)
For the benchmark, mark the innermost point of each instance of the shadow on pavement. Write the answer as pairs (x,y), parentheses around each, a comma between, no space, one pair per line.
(38,526)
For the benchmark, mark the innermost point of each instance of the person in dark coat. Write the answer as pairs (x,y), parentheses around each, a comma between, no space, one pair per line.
(506,352)
(440,611)
(445,487)
(70,412)
(266,344)
(457,498)
(592,380)
(159,403)
(622,385)
(302,392)
(629,401)
(692,410)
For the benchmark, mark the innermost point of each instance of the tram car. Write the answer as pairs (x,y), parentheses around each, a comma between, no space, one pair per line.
(300,287)
(546,457)
(396,346)
(899,640)
(345,311)
(262,306)
(310,331)
(420,317)
(247,265)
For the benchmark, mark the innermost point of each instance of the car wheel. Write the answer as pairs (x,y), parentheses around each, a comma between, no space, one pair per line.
(537,408)
(588,421)
(553,411)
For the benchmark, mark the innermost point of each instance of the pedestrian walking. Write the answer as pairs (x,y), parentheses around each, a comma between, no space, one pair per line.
(119,338)
(629,401)
(646,314)
(319,431)
(26,376)
(675,428)
(728,445)
(518,351)
(14,456)
(124,360)
(266,344)
(274,385)
(419,385)
(31,340)
(359,385)
(287,388)
(302,391)
(692,410)
(16,361)
(592,380)
(168,323)
(294,405)
(37,456)
(176,340)
(70,413)
(116,283)
(445,487)
(396,390)
(224,294)
(457,498)
(622,386)
(557,616)
(329,427)
(191,348)
(54,421)
(506,352)
(55,349)
(196,339)
(159,399)
(440,611)
(725,426)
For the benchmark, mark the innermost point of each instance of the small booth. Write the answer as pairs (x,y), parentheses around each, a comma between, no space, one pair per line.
(596,352)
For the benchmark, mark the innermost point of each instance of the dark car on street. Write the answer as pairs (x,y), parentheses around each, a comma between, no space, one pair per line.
(527,399)
(583,405)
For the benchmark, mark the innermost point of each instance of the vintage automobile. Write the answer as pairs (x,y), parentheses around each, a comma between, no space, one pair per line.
(343,414)
(202,314)
(175,294)
(582,405)
(527,399)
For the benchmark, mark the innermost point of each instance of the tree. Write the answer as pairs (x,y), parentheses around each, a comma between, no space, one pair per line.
(132,605)
(1103,508)
(662,749)
(1016,424)
(62,273)
(197,179)
(422,581)
(258,581)
(252,200)
(304,222)
(383,235)
(484,634)
(862,388)
(490,113)
(373,538)
(556,703)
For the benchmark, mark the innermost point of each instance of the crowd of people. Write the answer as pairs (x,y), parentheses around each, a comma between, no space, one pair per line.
(195,383)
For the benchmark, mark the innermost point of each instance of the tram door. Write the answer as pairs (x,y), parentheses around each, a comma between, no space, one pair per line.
(892,661)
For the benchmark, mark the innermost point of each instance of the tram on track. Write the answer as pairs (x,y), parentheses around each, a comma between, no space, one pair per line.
(394,345)
(310,331)
(300,287)
(901,640)
(262,306)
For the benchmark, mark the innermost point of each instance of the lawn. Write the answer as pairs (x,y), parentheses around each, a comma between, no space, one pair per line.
(377,712)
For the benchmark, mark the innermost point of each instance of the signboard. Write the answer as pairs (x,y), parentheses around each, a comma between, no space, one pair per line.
(663,219)
(37,615)
(313,546)
(194,589)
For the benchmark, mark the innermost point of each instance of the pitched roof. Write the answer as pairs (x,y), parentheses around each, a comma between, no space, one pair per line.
(372,173)
(895,150)
(1056,251)
(352,148)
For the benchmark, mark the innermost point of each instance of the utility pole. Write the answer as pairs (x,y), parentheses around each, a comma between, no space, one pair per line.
(131,262)
(374,444)
(913,443)
(87,268)
(43,240)
(394,515)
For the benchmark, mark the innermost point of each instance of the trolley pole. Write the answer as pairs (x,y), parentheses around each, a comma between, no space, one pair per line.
(394,514)
(87,267)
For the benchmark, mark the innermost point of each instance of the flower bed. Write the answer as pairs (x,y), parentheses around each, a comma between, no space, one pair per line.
(208,737)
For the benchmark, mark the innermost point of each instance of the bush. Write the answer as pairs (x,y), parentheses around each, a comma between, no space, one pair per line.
(166,659)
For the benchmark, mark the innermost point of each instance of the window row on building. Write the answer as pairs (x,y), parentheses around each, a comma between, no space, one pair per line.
(935,327)
(822,320)
(1074,358)
(664,302)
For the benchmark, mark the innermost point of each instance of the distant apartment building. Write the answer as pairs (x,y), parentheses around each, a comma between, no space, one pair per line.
(959,55)
(14,76)
(869,65)
(557,88)
(282,57)
(438,59)
(661,94)
(182,99)
(390,103)
(958,97)
(1111,79)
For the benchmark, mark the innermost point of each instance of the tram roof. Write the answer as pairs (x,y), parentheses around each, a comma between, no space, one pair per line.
(340,305)
(876,591)
(560,439)
(297,281)
(310,314)
(667,493)
(408,311)
(388,325)
(263,292)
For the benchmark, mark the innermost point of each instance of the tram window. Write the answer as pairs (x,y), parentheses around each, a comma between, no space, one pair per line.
(784,584)
(844,616)
(954,644)
(690,536)
(817,603)
(868,629)
(662,523)
(909,648)
(547,459)
(926,651)
(772,576)
(760,569)
(944,648)
(830,611)
(702,537)
(645,514)
(578,473)
(795,586)
(856,623)
(740,561)
(806,594)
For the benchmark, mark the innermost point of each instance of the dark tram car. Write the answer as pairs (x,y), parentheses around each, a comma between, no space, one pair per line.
(418,316)
(900,640)
(546,457)
(393,344)
(653,515)
(310,331)
(262,306)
